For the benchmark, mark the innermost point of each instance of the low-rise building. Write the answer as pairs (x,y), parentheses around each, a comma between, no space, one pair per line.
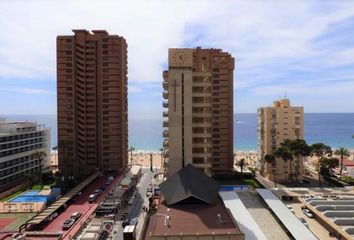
(24,151)
(191,208)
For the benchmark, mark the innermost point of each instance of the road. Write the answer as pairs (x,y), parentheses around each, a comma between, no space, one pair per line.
(320,232)
(135,211)
(79,205)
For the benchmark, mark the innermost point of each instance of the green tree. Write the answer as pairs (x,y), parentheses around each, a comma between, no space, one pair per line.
(131,150)
(270,158)
(284,153)
(299,149)
(343,152)
(327,163)
(320,150)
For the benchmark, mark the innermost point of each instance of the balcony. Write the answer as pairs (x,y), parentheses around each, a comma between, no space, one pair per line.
(165,85)
(165,143)
(165,94)
(165,154)
(165,124)
(165,133)
(165,75)
(165,113)
(165,104)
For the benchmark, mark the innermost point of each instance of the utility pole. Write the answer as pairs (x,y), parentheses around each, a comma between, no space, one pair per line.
(151,162)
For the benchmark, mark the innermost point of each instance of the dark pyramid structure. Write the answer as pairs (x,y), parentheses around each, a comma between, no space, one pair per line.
(189,185)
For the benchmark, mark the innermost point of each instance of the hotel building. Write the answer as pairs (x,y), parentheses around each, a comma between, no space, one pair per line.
(276,124)
(198,126)
(20,145)
(92,102)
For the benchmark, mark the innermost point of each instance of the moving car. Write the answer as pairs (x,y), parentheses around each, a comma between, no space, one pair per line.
(76,215)
(68,224)
(92,198)
(125,222)
(304,222)
(134,221)
(98,191)
(307,212)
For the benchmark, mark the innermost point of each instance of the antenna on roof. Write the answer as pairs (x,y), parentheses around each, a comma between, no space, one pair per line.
(286,95)
(218,218)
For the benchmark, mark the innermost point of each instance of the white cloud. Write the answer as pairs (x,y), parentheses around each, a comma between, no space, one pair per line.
(267,38)
(28,90)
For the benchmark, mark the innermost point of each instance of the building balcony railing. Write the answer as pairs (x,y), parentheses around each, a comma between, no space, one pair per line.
(165,104)
(165,154)
(165,124)
(165,94)
(165,133)
(165,113)
(165,75)
(165,85)
(165,143)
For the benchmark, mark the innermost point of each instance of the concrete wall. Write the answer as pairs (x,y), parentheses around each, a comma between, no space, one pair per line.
(8,207)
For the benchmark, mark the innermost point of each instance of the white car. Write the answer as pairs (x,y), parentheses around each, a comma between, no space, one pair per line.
(307,212)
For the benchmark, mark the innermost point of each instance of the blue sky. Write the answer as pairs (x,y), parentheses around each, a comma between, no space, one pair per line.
(302,49)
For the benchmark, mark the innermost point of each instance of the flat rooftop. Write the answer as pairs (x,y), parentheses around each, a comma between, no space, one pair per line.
(192,219)
(290,221)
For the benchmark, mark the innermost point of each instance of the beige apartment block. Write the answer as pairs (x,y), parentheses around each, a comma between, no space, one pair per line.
(276,124)
(198,126)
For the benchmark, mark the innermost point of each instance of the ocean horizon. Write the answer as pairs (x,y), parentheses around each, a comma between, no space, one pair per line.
(145,133)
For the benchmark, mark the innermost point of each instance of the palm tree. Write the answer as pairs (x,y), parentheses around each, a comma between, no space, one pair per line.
(131,149)
(285,153)
(270,158)
(161,151)
(342,152)
(241,164)
(40,156)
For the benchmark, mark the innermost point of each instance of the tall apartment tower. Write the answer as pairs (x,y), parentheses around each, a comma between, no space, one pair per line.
(92,102)
(276,124)
(199,101)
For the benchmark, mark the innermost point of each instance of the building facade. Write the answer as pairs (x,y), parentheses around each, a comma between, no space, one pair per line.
(198,126)
(24,152)
(92,102)
(276,124)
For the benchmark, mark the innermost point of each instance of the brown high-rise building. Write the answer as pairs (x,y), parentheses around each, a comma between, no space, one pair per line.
(199,92)
(92,102)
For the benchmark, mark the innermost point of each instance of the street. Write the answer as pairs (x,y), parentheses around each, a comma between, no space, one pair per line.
(135,210)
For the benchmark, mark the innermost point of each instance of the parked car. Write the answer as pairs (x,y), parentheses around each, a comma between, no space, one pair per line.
(76,215)
(290,208)
(68,224)
(304,222)
(134,221)
(307,212)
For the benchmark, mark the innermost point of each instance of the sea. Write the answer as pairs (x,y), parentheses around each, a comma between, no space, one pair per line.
(333,129)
